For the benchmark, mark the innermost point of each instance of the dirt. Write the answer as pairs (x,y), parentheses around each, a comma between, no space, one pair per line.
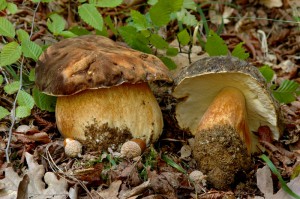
(222,156)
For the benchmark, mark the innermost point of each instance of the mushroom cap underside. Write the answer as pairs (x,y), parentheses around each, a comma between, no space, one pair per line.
(90,62)
(198,84)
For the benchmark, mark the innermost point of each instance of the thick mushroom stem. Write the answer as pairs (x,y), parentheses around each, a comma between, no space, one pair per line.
(228,109)
(101,118)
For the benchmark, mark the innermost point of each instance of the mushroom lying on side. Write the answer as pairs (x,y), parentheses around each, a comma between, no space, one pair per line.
(224,100)
(103,94)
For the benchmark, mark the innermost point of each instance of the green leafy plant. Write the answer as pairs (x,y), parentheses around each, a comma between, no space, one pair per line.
(288,89)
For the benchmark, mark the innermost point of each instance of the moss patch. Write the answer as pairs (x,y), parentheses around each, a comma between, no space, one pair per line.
(222,156)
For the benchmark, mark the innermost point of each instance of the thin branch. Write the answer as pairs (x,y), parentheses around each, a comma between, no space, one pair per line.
(13,111)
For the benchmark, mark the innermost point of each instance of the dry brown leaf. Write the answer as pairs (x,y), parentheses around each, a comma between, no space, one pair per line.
(112,191)
(265,184)
(271,3)
(135,191)
(56,188)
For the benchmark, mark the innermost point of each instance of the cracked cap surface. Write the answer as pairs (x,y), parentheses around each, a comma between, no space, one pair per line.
(90,62)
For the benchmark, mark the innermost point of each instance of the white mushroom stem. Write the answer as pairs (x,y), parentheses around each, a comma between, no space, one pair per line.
(228,109)
(104,115)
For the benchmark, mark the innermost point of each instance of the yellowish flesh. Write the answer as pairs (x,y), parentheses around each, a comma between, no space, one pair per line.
(228,109)
(130,107)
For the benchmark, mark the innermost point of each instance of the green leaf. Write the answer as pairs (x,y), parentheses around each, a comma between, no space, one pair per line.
(89,14)
(189,4)
(12,87)
(25,99)
(78,30)
(171,162)
(134,39)
(10,53)
(3,112)
(152,2)
(56,24)
(6,28)
(110,24)
(23,111)
(31,49)
(296,172)
(12,8)
(3,4)
(172,51)
(1,80)
(186,18)
(158,41)
(183,37)
(106,3)
(168,62)
(276,172)
(215,45)
(22,35)
(161,11)
(267,73)
(286,92)
(43,101)
(140,22)
(240,52)
(32,75)
(67,34)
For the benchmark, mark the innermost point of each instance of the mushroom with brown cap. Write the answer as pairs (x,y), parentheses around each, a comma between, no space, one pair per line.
(223,101)
(103,94)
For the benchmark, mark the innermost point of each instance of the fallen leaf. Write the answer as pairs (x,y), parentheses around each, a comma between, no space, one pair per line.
(271,3)
(56,188)
(112,191)
(265,185)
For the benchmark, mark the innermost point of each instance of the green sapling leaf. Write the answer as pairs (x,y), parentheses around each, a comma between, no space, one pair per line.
(10,53)
(56,24)
(110,24)
(189,4)
(6,28)
(31,76)
(169,63)
(43,101)
(3,4)
(158,41)
(89,14)
(31,49)
(215,45)
(106,3)
(172,51)
(12,8)
(134,39)
(267,73)
(240,52)
(1,80)
(23,111)
(3,112)
(183,37)
(161,11)
(67,34)
(12,87)
(25,99)
(140,22)
(77,30)
(286,92)
(22,35)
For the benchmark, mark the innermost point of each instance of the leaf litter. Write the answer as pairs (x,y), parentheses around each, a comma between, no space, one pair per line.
(49,169)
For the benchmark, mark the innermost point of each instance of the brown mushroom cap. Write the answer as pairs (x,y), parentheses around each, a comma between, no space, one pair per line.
(199,83)
(91,62)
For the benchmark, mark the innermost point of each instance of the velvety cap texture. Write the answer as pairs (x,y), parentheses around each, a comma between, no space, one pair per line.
(90,62)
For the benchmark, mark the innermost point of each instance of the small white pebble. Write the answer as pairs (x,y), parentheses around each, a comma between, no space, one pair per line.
(197,177)
(73,148)
(131,149)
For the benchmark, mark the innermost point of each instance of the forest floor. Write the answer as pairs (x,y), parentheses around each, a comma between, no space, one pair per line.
(271,34)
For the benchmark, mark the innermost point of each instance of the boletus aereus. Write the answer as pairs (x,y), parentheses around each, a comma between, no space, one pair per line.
(223,100)
(102,87)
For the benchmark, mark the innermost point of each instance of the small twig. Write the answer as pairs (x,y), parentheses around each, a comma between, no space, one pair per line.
(13,111)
